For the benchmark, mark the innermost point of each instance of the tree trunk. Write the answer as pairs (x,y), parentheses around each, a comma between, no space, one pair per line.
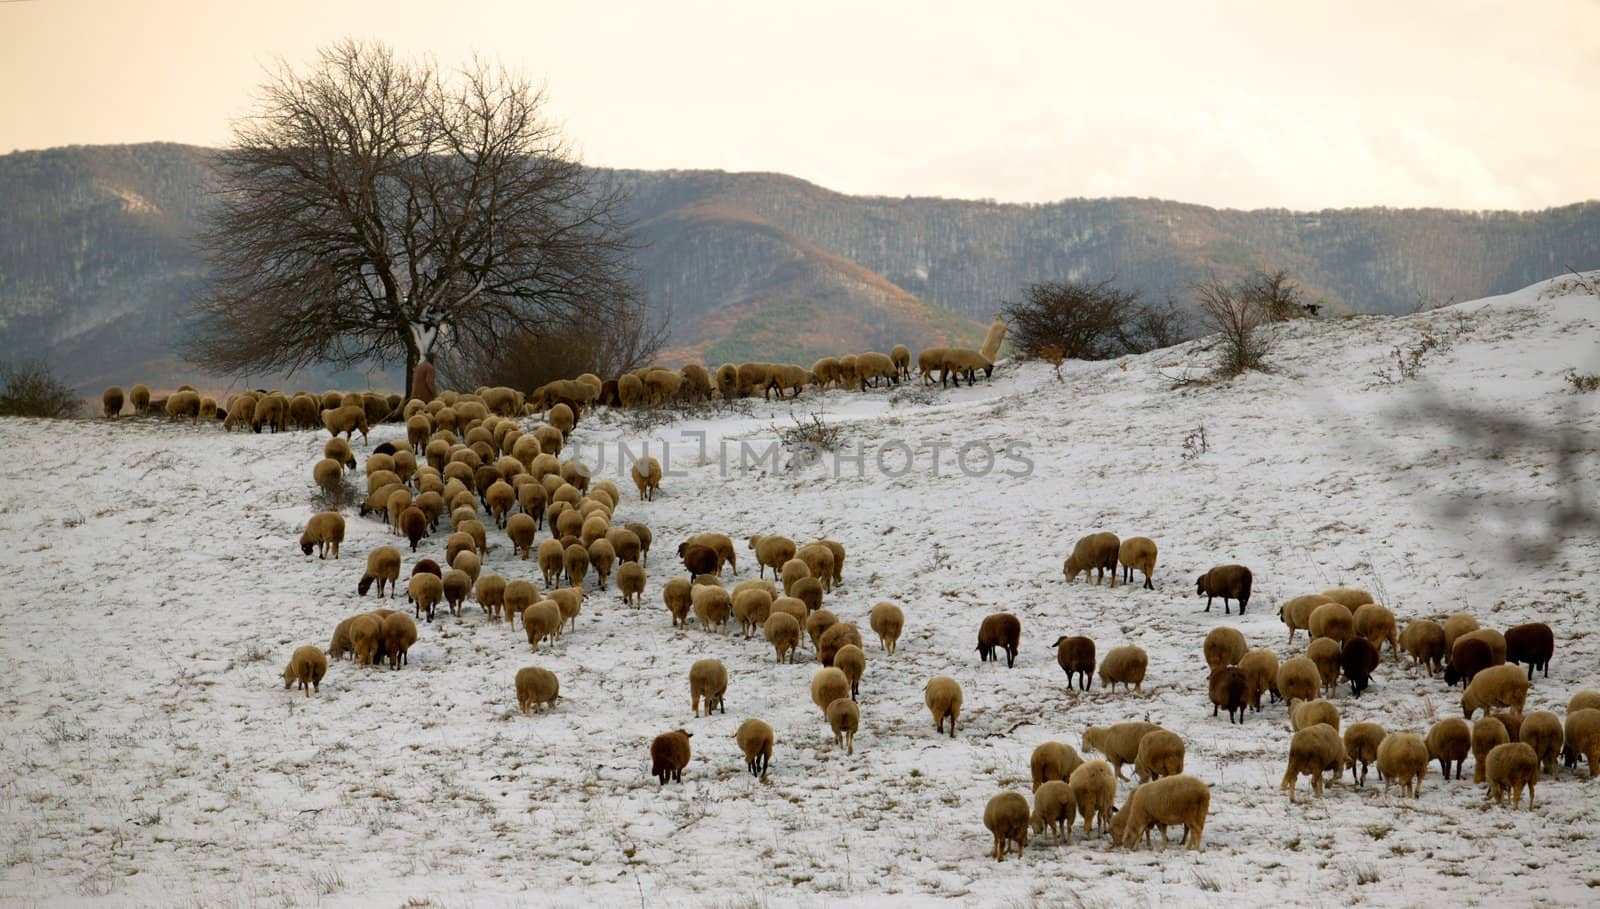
(412,358)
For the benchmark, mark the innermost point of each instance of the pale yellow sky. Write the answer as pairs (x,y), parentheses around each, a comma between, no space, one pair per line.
(1248,104)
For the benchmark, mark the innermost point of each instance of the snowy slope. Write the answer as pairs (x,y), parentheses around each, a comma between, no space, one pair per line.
(150,755)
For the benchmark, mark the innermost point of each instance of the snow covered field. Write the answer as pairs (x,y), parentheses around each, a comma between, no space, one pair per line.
(153,591)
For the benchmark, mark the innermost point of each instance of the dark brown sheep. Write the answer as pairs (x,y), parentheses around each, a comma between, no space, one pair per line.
(669,754)
(1533,644)
(1076,656)
(1230,688)
(1468,657)
(999,630)
(426,565)
(1357,660)
(414,524)
(1231,582)
(699,559)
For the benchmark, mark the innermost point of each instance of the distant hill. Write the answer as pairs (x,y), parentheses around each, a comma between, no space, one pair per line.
(97,263)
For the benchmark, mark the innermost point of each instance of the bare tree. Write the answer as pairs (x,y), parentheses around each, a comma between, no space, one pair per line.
(1276,293)
(1235,315)
(1084,321)
(375,207)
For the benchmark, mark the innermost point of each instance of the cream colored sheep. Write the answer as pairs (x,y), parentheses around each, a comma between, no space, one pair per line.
(1510,767)
(520,528)
(541,620)
(324,531)
(570,601)
(1160,754)
(647,477)
(365,631)
(827,686)
(328,474)
(1007,817)
(575,564)
(1376,624)
(818,558)
(1094,790)
(630,583)
(1325,652)
(1584,700)
(307,665)
(844,718)
(712,606)
(942,694)
(678,595)
(1449,742)
(1223,647)
(490,593)
(1053,761)
(425,591)
(772,551)
(708,678)
(1361,741)
(1455,626)
(755,740)
(887,621)
(1170,800)
(1498,686)
(1541,731)
(1138,554)
(1054,809)
(1486,734)
(1118,742)
(398,633)
(551,558)
(853,661)
(793,571)
(783,633)
(1298,678)
(346,421)
(1424,640)
(751,606)
(1296,612)
(383,566)
(1313,750)
(139,397)
(1332,620)
(1403,759)
(1261,670)
(817,623)
(1305,714)
(1582,737)
(1096,552)
(602,558)
(1124,665)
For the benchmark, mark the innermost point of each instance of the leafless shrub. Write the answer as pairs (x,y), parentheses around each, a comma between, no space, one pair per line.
(1195,444)
(1578,383)
(32,390)
(1083,321)
(1231,312)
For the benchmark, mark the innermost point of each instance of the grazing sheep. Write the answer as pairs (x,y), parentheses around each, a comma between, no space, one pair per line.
(307,665)
(1457,625)
(522,530)
(1054,809)
(1376,625)
(1348,597)
(708,678)
(602,558)
(1313,750)
(887,621)
(1224,646)
(491,595)
(808,591)
(1094,790)
(1449,741)
(1333,620)
(425,590)
(1403,759)
(183,404)
(900,356)
(1582,737)
(111,404)
(852,660)
(712,606)
(1361,741)
(1510,767)
(755,740)
(835,637)
(1486,734)
(772,551)
(829,685)
(1007,817)
(698,559)
(1160,754)
(641,531)
(541,620)
(1138,553)
(1325,653)
(669,754)
(819,560)
(794,607)
(1305,714)
(1230,688)
(1541,731)
(963,361)
(1424,640)
(1495,640)
(1178,799)
(1298,679)
(325,531)
(575,563)
(1075,656)
(783,632)
(346,421)
(457,587)
(1497,686)
(397,635)
(1118,742)
(1125,665)
(817,624)
(1261,670)
(630,583)
(677,593)
(874,366)
(500,499)
(365,632)
(1512,720)
(1296,612)
(1359,658)
(791,573)
(942,694)
(139,397)
(1053,761)
(1468,657)
(1002,630)
(1533,643)
(1094,553)
(930,359)
(1231,582)
(844,718)
(383,566)
(552,557)
(647,477)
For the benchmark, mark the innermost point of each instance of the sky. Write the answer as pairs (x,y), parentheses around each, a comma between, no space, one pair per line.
(1299,105)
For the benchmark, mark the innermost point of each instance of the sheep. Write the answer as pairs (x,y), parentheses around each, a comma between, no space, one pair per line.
(595,526)
(1509,768)
(1138,553)
(630,583)
(1007,817)
(1468,657)
(1403,759)
(836,636)
(1541,731)
(271,411)
(242,414)
(383,566)
(1305,714)
(625,542)
(1533,643)
(844,718)
(397,635)
(399,500)
(677,593)
(1359,658)
(900,356)
(712,606)
(1094,790)
(1497,686)
(698,559)
(1424,640)
(1486,734)
(1094,553)
(1160,754)
(425,591)
(669,754)
(1582,738)
(1229,582)
(771,551)
(602,558)
(1361,742)
(1376,625)
(783,633)
(307,665)
(1075,656)
(819,560)
(817,623)
(324,531)
(1512,720)
(457,543)
(647,477)
(755,740)
(562,418)
(1178,799)
(490,593)
(139,397)
(1449,741)
(457,586)
(645,538)
(827,686)
(1125,665)
(791,573)
(928,360)
(1348,597)
(708,678)
(375,463)
(795,607)
(1261,672)
(1230,688)
(1003,630)
(183,404)
(521,529)
(808,591)
(500,499)
(1455,626)
(541,620)
(942,694)
(365,631)
(1298,678)
(1584,700)
(887,622)
(551,560)
(1053,761)
(1224,646)
(1119,742)
(853,661)
(1313,751)
(1325,653)
(575,563)
(962,361)
(1296,612)
(346,421)
(1054,809)
(111,402)
(1332,620)
(1495,640)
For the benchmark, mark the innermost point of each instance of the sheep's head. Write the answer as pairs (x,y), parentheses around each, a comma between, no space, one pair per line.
(1451,676)
(1200,584)
(305,545)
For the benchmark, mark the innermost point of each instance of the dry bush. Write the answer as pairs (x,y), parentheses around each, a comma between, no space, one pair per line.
(32,390)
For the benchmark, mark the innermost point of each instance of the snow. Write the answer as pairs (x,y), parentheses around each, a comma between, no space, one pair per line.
(149,755)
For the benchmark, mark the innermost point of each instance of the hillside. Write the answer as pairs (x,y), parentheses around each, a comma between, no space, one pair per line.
(97,266)
(152,756)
